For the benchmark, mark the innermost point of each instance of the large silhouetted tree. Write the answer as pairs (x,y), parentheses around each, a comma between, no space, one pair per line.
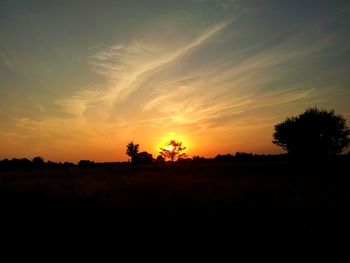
(173,150)
(314,133)
(132,150)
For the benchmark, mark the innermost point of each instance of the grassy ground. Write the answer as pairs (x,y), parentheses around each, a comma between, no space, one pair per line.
(247,196)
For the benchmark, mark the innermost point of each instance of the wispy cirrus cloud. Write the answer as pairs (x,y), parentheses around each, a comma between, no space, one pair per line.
(207,94)
(160,87)
(220,73)
(130,63)
(125,67)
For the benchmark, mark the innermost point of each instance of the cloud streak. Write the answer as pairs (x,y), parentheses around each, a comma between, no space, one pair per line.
(206,100)
(202,97)
(128,68)
(220,85)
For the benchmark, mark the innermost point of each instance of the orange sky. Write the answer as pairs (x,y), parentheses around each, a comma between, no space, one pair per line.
(81,81)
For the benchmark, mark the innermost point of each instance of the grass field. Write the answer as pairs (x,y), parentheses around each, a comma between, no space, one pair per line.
(247,196)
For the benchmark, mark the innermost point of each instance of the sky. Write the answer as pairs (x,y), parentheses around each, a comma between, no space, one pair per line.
(81,79)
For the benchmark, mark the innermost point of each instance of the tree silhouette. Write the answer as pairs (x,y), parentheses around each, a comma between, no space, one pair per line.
(314,132)
(143,158)
(173,150)
(160,159)
(132,150)
(37,161)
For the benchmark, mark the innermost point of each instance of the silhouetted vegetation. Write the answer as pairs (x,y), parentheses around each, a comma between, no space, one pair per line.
(132,150)
(313,133)
(86,163)
(143,158)
(173,151)
(251,192)
(249,195)
(38,161)
(160,159)
(224,158)
(198,159)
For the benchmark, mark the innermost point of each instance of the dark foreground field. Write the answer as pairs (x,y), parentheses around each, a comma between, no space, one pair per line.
(247,196)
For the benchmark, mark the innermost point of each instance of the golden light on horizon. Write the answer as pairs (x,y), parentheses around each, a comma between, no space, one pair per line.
(210,84)
(163,142)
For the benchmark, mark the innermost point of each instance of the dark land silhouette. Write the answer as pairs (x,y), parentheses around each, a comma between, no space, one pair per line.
(248,192)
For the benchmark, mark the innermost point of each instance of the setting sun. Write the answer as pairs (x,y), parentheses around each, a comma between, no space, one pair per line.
(183,112)
(169,147)
(216,83)
(163,142)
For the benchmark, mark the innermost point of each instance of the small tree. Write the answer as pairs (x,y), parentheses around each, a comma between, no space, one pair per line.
(160,159)
(37,161)
(132,150)
(143,158)
(315,133)
(173,150)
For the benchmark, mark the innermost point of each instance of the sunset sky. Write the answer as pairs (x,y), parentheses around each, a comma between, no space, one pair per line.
(80,79)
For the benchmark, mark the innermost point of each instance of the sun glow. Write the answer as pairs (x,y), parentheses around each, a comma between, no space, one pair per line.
(163,142)
(169,147)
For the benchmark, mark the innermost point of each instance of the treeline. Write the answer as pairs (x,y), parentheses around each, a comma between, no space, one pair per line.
(39,162)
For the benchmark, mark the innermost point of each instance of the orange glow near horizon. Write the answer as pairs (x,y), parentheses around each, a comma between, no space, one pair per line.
(217,83)
(163,141)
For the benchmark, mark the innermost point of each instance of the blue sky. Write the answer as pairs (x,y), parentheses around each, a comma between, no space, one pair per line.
(79,79)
